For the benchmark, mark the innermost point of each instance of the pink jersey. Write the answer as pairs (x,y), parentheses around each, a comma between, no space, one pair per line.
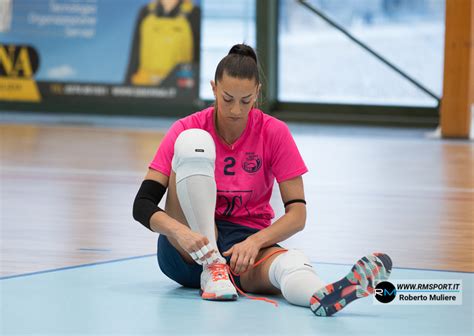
(244,172)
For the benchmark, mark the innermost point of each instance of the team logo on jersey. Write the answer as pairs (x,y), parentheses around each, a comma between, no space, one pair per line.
(252,163)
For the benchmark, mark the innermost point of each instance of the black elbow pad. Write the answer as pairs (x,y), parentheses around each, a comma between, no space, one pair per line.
(146,202)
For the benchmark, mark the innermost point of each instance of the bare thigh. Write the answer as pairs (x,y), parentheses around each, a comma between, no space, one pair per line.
(173,209)
(256,279)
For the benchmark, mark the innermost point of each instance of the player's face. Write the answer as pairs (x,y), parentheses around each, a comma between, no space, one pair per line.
(235,97)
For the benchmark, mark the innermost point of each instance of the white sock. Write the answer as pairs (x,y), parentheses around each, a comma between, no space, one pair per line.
(293,274)
(197,197)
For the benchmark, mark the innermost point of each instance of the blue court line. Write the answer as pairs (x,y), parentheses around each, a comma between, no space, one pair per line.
(74,267)
(153,255)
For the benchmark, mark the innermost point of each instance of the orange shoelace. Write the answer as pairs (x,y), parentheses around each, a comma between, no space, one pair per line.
(218,272)
(257,298)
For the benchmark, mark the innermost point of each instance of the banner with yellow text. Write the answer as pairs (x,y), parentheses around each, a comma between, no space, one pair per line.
(129,49)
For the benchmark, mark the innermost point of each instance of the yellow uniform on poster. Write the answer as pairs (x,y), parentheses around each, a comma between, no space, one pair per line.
(165,37)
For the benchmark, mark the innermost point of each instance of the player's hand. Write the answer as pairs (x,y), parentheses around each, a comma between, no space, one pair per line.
(195,244)
(243,255)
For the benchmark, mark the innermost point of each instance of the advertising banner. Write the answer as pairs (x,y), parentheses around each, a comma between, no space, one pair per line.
(139,50)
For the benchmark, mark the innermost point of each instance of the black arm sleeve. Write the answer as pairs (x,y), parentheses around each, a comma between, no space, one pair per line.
(145,204)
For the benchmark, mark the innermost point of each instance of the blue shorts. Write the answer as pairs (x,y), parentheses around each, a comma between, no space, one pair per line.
(176,268)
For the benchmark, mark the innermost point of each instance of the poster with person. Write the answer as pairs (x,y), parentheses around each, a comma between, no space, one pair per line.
(100,50)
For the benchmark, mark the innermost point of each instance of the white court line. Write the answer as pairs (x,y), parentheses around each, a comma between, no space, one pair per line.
(390,188)
(69,171)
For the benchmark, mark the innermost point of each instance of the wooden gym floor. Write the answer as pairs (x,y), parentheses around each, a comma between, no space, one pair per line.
(67,194)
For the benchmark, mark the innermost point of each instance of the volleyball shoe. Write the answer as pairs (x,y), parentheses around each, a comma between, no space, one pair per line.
(360,282)
(215,282)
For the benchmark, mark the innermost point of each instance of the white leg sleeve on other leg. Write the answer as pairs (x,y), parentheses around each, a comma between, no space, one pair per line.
(293,274)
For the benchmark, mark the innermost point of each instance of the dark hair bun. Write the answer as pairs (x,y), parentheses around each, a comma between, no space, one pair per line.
(244,50)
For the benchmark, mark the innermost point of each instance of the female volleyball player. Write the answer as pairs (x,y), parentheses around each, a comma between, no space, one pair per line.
(219,167)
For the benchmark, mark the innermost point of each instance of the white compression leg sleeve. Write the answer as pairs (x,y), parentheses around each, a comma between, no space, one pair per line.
(292,273)
(193,161)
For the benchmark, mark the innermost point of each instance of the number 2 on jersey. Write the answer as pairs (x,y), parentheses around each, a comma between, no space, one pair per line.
(230,163)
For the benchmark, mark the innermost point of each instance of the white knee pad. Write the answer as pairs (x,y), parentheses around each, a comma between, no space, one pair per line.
(293,274)
(287,263)
(194,154)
